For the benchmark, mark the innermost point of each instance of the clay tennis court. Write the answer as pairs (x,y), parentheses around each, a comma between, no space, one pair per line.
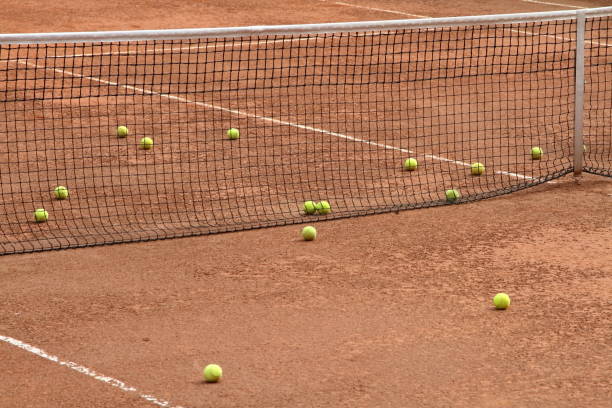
(384,310)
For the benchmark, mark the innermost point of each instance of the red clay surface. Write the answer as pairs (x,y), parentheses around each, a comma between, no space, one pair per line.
(392,310)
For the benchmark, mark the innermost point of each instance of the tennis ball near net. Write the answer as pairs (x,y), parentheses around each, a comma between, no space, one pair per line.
(146,143)
(233,134)
(452,195)
(477,169)
(501,301)
(122,131)
(61,192)
(310,207)
(212,373)
(323,207)
(536,153)
(309,233)
(40,215)
(411,164)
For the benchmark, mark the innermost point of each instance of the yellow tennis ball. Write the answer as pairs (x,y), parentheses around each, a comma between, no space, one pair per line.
(323,207)
(536,153)
(122,131)
(411,164)
(212,373)
(40,215)
(477,169)
(233,133)
(501,301)
(452,195)
(310,207)
(60,192)
(309,233)
(146,143)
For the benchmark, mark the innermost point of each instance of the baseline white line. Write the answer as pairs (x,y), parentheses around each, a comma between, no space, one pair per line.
(378,9)
(512,30)
(553,4)
(265,118)
(113,382)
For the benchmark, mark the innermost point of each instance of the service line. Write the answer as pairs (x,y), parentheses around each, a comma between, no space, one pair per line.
(264,118)
(113,382)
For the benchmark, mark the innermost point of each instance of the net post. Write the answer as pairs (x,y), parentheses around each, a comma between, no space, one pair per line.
(579,95)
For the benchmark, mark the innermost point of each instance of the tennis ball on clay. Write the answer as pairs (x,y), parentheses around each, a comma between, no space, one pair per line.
(212,373)
(323,207)
(309,233)
(477,169)
(536,153)
(452,195)
(411,164)
(310,207)
(61,192)
(122,131)
(40,215)
(501,301)
(146,143)
(233,133)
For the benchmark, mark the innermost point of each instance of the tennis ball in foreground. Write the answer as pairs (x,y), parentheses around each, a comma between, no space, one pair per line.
(477,169)
(61,192)
(536,153)
(233,133)
(146,143)
(310,207)
(40,215)
(323,207)
(309,233)
(122,131)
(501,301)
(411,164)
(212,373)
(452,195)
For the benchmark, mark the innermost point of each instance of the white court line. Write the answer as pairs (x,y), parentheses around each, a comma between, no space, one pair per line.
(377,9)
(514,31)
(553,4)
(113,382)
(221,108)
(266,118)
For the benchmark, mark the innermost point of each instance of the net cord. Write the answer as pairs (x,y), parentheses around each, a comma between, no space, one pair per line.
(300,29)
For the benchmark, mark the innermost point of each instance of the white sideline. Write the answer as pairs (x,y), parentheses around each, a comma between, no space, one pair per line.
(265,118)
(553,4)
(113,382)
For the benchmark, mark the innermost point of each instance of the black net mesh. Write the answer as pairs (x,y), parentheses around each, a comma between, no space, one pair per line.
(321,117)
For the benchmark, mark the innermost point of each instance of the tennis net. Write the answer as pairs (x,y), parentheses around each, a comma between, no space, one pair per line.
(325,112)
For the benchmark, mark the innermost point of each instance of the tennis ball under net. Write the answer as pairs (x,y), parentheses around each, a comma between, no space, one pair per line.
(477,169)
(60,192)
(146,143)
(536,153)
(122,131)
(452,195)
(411,164)
(233,133)
(323,207)
(310,207)
(40,215)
